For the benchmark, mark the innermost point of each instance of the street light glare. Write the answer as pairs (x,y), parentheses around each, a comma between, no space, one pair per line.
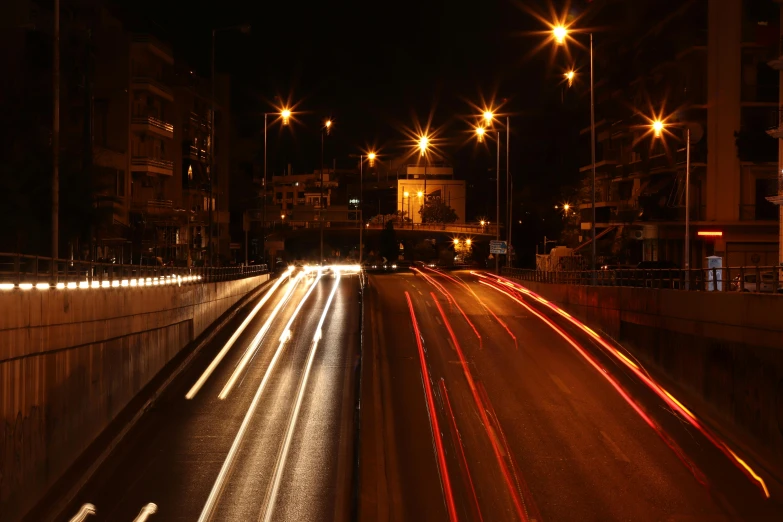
(424,142)
(480,133)
(420,193)
(328,123)
(371,156)
(286,115)
(406,194)
(488,116)
(657,128)
(456,241)
(566,207)
(560,33)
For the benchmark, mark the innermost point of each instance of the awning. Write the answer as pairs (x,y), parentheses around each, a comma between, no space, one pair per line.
(597,236)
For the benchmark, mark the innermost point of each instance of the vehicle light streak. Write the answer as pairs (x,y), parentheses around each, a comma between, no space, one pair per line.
(217,487)
(482,410)
(459,281)
(433,415)
(667,397)
(84,511)
(219,357)
(620,390)
(252,348)
(146,511)
(278,474)
(460,448)
(451,300)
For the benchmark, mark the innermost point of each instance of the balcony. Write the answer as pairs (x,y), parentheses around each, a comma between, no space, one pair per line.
(149,84)
(152,165)
(775,127)
(154,46)
(152,125)
(195,153)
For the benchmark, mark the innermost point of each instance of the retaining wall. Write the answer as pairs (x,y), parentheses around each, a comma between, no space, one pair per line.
(70,360)
(722,351)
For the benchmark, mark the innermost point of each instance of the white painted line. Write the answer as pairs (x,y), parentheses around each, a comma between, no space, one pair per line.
(270,506)
(217,487)
(146,511)
(84,511)
(219,357)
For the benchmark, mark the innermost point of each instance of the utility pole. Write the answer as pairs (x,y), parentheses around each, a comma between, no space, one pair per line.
(509,191)
(56,135)
(321,200)
(211,153)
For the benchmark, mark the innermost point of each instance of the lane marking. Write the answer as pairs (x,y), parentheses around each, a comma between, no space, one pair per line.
(433,415)
(460,448)
(217,487)
(147,511)
(219,357)
(617,451)
(278,474)
(560,384)
(252,348)
(84,512)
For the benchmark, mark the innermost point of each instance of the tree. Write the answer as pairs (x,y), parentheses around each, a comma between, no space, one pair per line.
(437,211)
(389,247)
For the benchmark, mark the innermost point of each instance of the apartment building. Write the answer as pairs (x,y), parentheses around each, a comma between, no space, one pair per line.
(703,66)
(441,184)
(776,131)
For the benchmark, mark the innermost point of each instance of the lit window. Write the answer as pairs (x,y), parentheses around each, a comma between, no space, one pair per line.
(190,172)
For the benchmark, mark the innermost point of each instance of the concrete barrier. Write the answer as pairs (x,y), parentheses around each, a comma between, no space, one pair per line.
(722,351)
(70,360)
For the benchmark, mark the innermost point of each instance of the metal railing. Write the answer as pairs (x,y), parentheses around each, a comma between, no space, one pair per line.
(152,162)
(26,272)
(755,279)
(440,227)
(153,122)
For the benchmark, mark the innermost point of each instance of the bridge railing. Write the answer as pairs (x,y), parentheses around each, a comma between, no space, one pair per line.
(441,227)
(25,272)
(756,279)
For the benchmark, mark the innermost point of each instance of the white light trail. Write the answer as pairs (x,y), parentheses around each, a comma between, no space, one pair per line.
(254,344)
(146,511)
(84,511)
(270,506)
(217,487)
(219,357)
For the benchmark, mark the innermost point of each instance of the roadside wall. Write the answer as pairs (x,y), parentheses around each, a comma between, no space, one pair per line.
(722,351)
(71,360)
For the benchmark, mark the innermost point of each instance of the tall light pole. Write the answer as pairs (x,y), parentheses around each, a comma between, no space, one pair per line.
(658,127)
(509,192)
(285,118)
(489,117)
(243,29)
(324,132)
(424,144)
(56,135)
(560,34)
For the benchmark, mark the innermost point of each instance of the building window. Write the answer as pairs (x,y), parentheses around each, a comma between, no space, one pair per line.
(190,172)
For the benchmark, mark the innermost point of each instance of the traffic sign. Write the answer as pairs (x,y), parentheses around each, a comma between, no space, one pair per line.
(498,247)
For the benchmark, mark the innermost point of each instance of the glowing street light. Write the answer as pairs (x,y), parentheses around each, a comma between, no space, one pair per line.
(570,77)
(456,241)
(657,127)
(480,134)
(285,114)
(566,207)
(406,194)
(371,158)
(488,116)
(468,242)
(483,222)
(424,143)
(328,126)
(559,32)
(420,194)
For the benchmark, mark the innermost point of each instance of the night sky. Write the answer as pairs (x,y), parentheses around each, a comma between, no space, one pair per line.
(378,68)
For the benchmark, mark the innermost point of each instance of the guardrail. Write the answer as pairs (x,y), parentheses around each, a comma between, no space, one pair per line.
(440,227)
(756,279)
(27,272)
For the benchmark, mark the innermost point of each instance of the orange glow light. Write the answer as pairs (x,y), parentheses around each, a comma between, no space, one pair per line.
(709,233)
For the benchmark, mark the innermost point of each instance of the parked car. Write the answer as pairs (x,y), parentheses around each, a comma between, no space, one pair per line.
(752,284)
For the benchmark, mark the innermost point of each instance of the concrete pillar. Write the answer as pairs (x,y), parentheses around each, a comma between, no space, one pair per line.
(723,115)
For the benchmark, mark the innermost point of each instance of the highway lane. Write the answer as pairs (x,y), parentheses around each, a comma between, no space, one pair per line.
(176,452)
(531,429)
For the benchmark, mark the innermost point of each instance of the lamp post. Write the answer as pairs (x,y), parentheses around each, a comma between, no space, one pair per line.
(244,29)
(285,117)
(325,130)
(489,117)
(657,128)
(560,34)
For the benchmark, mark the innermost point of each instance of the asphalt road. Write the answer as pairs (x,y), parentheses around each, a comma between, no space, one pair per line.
(278,446)
(524,415)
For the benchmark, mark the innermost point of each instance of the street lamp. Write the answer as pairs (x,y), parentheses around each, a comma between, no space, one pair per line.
(658,128)
(489,117)
(560,34)
(325,131)
(285,116)
(456,241)
(569,76)
(371,160)
(480,134)
(423,145)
